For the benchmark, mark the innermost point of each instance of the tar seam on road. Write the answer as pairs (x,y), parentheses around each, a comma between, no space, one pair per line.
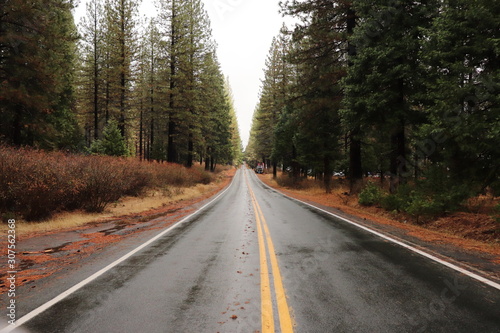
(94,276)
(286,324)
(395,241)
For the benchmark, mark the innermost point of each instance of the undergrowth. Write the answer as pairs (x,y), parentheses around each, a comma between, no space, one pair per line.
(426,198)
(35,184)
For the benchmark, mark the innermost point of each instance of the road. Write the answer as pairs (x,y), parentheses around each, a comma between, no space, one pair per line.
(256,261)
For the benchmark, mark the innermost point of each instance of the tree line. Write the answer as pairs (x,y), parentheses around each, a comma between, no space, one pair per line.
(406,89)
(153,85)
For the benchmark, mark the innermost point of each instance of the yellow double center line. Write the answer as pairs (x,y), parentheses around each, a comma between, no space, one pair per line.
(264,237)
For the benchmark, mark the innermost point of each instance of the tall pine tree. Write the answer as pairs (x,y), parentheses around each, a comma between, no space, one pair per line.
(383,81)
(37,50)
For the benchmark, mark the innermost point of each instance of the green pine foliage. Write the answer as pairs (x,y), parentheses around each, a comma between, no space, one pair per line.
(37,57)
(371,195)
(404,89)
(462,130)
(112,143)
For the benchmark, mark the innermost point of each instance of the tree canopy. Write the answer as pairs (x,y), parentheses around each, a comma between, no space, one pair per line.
(159,82)
(404,89)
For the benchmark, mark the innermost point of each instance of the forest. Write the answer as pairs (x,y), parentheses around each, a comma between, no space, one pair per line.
(406,92)
(154,85)
(118,106)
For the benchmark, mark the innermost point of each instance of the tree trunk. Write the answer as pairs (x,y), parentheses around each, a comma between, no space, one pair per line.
(123,79)
(327,176)
(355,160)
(96,103)
(207,159)
(398,165)
(141,135)
(16,130)
(355,166)
(295,165)
(189,162)
(207,163)
(172,126)
(171,150)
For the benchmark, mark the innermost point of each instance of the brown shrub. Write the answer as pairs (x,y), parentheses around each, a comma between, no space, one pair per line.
(36,184)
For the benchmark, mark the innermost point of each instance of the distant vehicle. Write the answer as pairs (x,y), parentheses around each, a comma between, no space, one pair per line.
(259,168)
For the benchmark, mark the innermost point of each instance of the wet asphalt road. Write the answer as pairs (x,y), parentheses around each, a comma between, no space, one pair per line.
(206,276)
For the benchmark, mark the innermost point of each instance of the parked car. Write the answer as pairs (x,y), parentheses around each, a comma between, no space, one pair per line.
(260,168)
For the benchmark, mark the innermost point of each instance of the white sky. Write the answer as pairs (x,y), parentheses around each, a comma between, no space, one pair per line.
(243,30)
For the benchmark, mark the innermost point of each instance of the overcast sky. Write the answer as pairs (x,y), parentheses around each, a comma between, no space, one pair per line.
(243,30)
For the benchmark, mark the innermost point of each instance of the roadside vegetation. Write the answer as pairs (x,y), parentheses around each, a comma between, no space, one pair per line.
(404,94)
(36,184)
(112,85)
(476,219)
(154,89)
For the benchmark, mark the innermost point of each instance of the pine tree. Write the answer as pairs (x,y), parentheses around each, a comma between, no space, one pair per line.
(217,120)
(198,45)
(37,50)
(152,90)
(112,142)
(383,80)
(462,131)
(91,81)
(187,27)
(319,54)
(272,101)
(121,50)
(236,144)
(354,130)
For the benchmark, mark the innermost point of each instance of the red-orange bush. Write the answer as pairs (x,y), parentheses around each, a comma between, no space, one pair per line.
(36,184)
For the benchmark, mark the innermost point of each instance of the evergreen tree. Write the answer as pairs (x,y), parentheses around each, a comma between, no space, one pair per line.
(461,102)
(121,49)
(319,54)
(272,101)
(236,144)
(152,90)
(217,120)
(112,142)
(91,80)
(199,44)
(383,80)
(187,27)
(37,50)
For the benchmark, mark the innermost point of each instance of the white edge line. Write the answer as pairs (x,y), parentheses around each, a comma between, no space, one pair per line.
(94,276)
(409,247)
